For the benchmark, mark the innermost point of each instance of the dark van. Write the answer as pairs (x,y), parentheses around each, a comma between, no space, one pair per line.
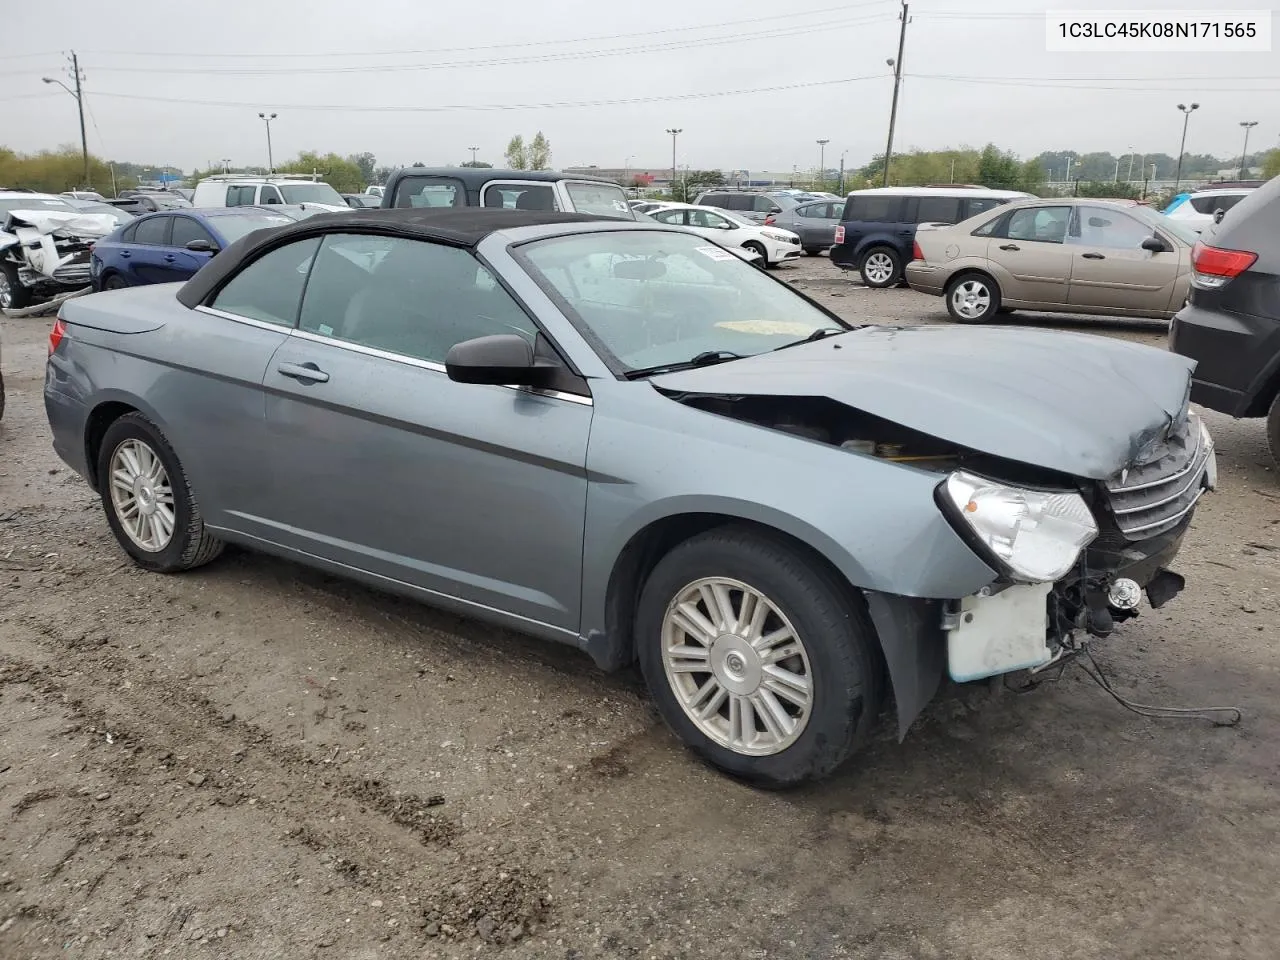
(509,189)
(879,226)
(1231,323)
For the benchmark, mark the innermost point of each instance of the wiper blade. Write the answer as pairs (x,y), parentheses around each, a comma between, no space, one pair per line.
(704,359)
(818,334)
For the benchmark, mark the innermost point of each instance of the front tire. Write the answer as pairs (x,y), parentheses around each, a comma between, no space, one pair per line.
(758,657)
(972,298)
(881,268)
(148,501)
(114,282)
(13,295)
(758,248)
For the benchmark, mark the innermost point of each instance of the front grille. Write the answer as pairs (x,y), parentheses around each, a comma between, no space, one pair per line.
(1153,497)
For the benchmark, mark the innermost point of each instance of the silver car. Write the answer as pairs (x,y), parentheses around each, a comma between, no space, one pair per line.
(622,437)
(814,222)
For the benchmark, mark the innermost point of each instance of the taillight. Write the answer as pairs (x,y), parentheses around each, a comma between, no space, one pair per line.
(839,234)
(916,252)
(1213,267)
(56,334)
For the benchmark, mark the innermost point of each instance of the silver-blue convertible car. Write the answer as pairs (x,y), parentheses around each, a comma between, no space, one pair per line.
(621,436)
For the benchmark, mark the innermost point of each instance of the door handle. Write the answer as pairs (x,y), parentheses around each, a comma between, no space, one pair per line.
(1093,256)
(125,254)
(169,258)
(303,372)
(1009,246)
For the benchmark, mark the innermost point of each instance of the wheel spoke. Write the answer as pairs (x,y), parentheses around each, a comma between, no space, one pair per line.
(791,686)
(775,717)
(130,459)
(742,721)
(165,517)
(687,659)
(774,639)
(706,703)
(120,479)
(719,605)
(689,618)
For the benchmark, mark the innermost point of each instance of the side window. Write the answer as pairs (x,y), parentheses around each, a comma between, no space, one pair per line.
(708,218)
(185,229)
(1101,227)
(766,205)
(1040,224)
(972,206)
(730,201)
(270,288)
(409,297)
(991,228)
(240,196)
(874,209)
(269,194)
(938,210)
(669,216)
(153,230)
(520,196)
(129,231)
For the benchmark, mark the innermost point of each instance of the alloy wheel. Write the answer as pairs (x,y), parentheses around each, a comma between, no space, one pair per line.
(878,267)
(6,292)
(737,666)
(142,495)
(971,299)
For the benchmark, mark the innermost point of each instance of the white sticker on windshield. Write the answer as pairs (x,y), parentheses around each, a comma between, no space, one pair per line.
(621,205)
(715,253)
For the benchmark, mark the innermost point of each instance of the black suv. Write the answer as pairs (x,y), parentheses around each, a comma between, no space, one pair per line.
(878,231)
(1231,323)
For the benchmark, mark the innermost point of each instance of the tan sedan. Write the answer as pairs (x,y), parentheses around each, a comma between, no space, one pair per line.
(1070,255)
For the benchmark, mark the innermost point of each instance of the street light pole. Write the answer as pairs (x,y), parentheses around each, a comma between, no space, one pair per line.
(271,163)
(1244,154)
(675,132)
(1182,148)
(78,93)
(897,82)
(1129,176)
(822,160)
(474,151)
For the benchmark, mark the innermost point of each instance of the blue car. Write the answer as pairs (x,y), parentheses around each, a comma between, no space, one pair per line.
(172,245)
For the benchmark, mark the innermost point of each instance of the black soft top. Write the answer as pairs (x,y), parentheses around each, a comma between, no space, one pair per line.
(455,226)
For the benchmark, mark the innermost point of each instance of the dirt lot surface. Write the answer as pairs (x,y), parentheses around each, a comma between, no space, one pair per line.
(254,760)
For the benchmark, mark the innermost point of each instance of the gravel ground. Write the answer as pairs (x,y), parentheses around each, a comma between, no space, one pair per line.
(258,761)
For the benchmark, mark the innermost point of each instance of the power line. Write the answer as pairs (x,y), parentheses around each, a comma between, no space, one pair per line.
(27,96)
(449,108)
(1069,83)
(842,8)
(668,46)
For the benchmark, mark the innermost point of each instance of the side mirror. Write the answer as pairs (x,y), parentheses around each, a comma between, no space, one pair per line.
(1154,244)
(201,246)
(504,359)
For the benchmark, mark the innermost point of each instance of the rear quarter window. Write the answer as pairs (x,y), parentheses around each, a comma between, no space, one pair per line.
(879,209)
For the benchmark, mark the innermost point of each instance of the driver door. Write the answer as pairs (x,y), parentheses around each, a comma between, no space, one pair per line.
(384,464)
(1111,269)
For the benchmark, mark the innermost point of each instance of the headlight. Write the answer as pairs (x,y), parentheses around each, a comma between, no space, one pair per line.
(1211,465)
(774,235)
(1036,536)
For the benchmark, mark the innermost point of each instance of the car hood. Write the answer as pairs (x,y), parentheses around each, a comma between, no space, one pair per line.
(1074,403)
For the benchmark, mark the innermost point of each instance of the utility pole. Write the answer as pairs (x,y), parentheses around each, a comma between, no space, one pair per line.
(1244,154)
(1129,176)
(953,169)
(1182,148)
(897,82)
(822,160)
(675,132)
(78,93)
(842,156)
(271,163)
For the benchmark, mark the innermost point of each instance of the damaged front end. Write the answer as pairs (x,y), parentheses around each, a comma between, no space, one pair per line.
(48,251)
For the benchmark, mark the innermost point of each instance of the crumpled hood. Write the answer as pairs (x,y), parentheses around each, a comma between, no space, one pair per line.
(1075,403)
(61,223)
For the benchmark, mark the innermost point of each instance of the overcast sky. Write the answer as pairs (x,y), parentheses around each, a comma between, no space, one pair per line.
(372,58)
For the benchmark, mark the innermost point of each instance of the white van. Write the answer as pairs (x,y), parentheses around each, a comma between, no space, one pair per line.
(230,190)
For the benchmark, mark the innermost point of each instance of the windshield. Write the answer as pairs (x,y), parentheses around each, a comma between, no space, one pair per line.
(311,193)
(601,199)
(105,209)
(169,202)
(737,218)
(36,203)
(654,298)
(233,226)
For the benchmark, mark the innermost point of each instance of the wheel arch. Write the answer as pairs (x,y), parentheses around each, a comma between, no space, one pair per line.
(109,408)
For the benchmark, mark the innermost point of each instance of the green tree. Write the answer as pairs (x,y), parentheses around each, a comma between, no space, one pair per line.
(342,174)
(1108,188)
(366,162)
(1271,165)
(693,182)
(53,171)
(382,174)
(539,153)
(516,154)
(477,164)
(998,169)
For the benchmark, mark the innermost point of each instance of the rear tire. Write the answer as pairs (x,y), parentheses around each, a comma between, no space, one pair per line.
(1273,429)
(881,267)
(823,639)
(972,298)
(114,282)
(148,501)
(13,295)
